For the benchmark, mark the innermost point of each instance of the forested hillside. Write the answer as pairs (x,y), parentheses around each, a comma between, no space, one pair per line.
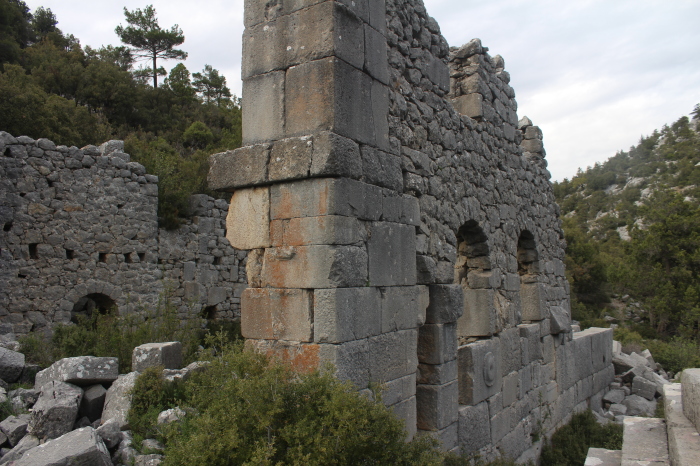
(52,86)
(632,226)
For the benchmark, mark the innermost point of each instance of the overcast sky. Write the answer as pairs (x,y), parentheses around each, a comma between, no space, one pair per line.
(595,75)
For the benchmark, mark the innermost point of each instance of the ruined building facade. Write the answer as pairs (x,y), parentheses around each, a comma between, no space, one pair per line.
(401,224)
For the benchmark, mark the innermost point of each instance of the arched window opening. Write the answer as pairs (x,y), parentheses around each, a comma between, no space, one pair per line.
(528,260)
(92,304)
(533,301)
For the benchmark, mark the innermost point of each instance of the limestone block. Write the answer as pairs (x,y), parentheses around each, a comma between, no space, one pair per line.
(240,168)
(479,317)
(636,406)
(345,314)
(474,427)
(398,390)
(118,399)
(530,339)
(437,374)
(315,266)
(263,101)
(446,304)
(560,321)
(582,351)
(644,388)
(471,105)
(92,403)
(437,405)
(263,48)
(614,396)
(334,155)
(277,314)
(683,439)
(27,443)
(291,159)
(216,295)
(406,410)
(646,441)
(351,361)
(82,446)
(511,388)
(328,229)
(393,355)
(566,371)
(80,370)
(437,343)
(15,427)
(168,355)
(603,457)
(533,299)
(11,365)
(110,433)
(532,145)
(479,371)
(392,257)
(690,383)
(377,15)
(55,411)
(317,197)
(401,308)
(511,359)
(248,220)
(382,169)
(448,437)
(376,53)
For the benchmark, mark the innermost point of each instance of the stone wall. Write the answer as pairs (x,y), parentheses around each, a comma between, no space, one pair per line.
(402,224)
(80,230)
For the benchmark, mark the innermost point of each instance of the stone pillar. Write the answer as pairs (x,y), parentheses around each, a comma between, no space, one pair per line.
(317,198)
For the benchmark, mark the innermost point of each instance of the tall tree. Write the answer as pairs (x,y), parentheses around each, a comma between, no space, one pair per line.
(149,41)
(211,85)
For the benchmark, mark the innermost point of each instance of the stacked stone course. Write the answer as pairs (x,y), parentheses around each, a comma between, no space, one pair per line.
(82,223)
(402,224)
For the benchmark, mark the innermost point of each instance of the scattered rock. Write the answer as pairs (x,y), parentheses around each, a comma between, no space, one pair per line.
(79,447)
(11,365)
(15,427)
(171,415)
(118,399)
(168,355)
(27,443)
(81,371)
(638,406)
(56,410)
(110,433)
(93,402)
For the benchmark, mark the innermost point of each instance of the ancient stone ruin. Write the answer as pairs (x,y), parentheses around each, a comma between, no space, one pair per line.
(80,233)
(401,224)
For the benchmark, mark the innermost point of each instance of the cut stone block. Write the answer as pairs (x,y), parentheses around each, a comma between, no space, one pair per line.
(92,403)
(315,266)
(110,433)
(437,343)
(400,308)
(80,370)
(614,396)
(560,321)
(248,220)
(406,410)
(437,405)
(645,441)
(470,105)
(345,314)
(327,229)
(603,457)
(636,406)
(582,351)
(27,443)
(437,374)
(479,371)
(15,427)
(393,355)
(376,61)
(446,304)
(168,355)
(240,168)
(351,361)
(683,438)
(644,388)
(392,254)
(479,317)
(277,314)
(118,400)
(318,197)
(382,169)
(263,101)
(474,427)
(533,300)
(334,155)
(690,382)
(55,411)
(398,390)
(80,447)
(291,159)
(11,365)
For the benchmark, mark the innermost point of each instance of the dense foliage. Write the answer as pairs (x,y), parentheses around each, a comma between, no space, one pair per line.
(52,87)
(632,225)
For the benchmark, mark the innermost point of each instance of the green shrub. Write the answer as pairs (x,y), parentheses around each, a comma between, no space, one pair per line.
(569,445)
(674,355)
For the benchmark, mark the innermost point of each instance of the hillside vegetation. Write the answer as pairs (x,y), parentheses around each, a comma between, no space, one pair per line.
(53,87)
(632,225)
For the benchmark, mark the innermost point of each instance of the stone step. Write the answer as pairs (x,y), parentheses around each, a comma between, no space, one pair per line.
(603,457)
(644,442)
(683,438)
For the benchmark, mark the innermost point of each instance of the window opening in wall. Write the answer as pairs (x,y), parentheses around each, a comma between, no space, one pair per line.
(102,257)
(22,194)
(209,313)
(127,258)
(217,260)
(7,226)
(528,262)
(142,256)
(33,254)
(473,272)
(20,275)
(70,254)
(93,303)
(533,302)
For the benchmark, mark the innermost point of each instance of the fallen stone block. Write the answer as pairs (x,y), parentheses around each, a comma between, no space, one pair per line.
(27,443)
(80,447)
(168,355)
(125,453)
(80,370)
(118,399)
(11,365)
(15,427)
(110,433)
(56,410)
(636,406)
(614,396)
(644,388)
(622,363)
(92,403)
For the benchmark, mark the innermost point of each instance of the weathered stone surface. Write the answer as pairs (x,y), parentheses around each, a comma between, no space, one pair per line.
(472,432)
(243,167)
(645,442)
(437,344)
(446,304)
(603,457)
(392,355)
(614,396)
(168,355)
(11,365)
(437,405)
(15,427)
(479,317)
(560,321)
(55,411)
(82,447)
(284,314)
(345,314)
(479,367)
(118,400)
(690,382)
(533,301)
(636,406)
(263,99)
(251,210)
(110,433)
(27,443)
(171,415)
(80,370)
(683,438)
(148,460)
(644,388)
(392,258)
(92,403)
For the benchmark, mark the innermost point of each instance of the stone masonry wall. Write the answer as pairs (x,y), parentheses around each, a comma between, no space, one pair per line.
(402,224)
(80,229)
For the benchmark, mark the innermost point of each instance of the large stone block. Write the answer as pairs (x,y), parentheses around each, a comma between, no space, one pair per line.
(92,403)
(560,321)
(315,266)
(479,371)
(263,104)
(437,374)
(582,351)
(290,159)
(511,359)
(55,411)
(392,254)
(646,441)
(304,231)
(317,197)
(382,169)
(398,390)
(401,308)
(345,314)
(690,385)
(437,343)
(15,427)
(168,355)
(474,427)
(446,304)
(437,405)
(393,355)
(683,438)
(243,167)
(376,53)
(351,361)
(277,314)
(335,155)
(471,105)
(11,365)
(479,317)
(80,447)
(530,342)
(80,370)
(118,400)
(406,410)
(248,220)
(533,300)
